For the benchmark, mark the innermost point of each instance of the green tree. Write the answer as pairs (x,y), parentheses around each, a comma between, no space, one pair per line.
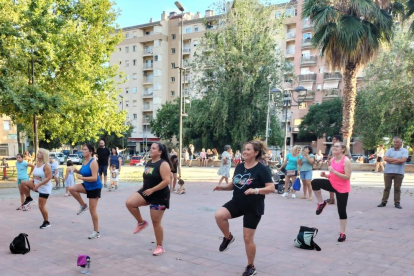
(276,135)
(349,33)
(323,119)
(166,124)
(69,43)
(114,140)
(386,101)
(235,66)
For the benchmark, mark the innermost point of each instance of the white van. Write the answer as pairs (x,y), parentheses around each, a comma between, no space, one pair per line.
(60,157)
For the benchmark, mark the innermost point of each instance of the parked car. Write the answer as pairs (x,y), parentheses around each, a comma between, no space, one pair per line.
(137,161)
(75,159)
(66,152)
(58,156)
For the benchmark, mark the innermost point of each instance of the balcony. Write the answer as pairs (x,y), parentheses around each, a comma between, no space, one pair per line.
(307,43)
(332,76)
(290,36)
(146,120)
(186,51)
(310,96)
(148,52)
(290,52)
(186,79)
(283,120)
(307,77)
(148,66)
(148,80)
(147,93)
(308,60)
(331,93)
(307,25)
(147,108)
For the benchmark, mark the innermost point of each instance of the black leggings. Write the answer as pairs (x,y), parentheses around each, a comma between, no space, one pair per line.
(342,198)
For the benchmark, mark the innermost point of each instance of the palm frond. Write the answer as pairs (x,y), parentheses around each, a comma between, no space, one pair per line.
(409,6)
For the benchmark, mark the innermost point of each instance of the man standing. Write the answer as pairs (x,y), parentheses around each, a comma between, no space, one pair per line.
(394,170)
(103,160)
(336,138)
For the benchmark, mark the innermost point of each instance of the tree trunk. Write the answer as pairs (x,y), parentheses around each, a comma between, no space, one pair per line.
(349,101)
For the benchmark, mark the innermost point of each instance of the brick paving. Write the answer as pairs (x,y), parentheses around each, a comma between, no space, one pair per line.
(380,240)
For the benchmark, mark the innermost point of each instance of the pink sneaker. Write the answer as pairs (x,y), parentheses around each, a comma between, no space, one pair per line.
(141,227)
(158,251)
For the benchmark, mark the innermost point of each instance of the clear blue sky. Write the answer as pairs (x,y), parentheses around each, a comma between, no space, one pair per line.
(135,12)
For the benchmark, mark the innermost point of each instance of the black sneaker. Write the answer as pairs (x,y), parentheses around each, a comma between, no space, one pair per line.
(27,202)
(250,270)
(226,242)
(382,204)
(342,237)
(320,208)
(45,224)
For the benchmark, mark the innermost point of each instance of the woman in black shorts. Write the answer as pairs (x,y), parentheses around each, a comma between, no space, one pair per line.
(175,169)
(155,193)
(251,181)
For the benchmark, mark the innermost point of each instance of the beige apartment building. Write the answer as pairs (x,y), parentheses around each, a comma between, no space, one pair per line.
(149,54)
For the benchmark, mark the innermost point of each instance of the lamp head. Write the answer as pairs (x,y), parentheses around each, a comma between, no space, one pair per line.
(300,89)
(179,6)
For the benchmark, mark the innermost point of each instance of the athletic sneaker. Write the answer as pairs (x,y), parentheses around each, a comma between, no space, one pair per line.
(20,208)
(45,224)
(250,270)
(141,227)
(285,194)
(28,201)
(320,207)
(226,242)
(83,209)
(342,237)
(26,208)
(158,251)
(293,196)
(94,235)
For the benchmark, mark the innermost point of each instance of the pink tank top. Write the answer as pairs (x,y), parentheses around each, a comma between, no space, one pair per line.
(339,184)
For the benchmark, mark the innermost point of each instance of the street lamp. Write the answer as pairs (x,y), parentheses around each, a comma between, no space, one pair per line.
(270,102)
(122,109)
(180,138)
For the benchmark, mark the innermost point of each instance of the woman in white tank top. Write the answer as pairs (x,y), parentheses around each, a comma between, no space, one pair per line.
(42,174)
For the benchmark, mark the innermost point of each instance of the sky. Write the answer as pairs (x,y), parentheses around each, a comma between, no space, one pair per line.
(136,12)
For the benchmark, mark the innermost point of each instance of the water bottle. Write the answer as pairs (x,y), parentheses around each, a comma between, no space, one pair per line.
(86,270)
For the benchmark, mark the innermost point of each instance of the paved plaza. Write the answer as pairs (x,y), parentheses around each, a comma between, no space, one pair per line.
(380,241)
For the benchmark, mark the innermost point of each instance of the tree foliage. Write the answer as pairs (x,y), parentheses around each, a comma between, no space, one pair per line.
(69,42)
(166,124)
(323,119)
(386,101)
(235,65)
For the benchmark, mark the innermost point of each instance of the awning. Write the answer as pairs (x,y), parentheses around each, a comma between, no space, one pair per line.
(143,139)
(307,85)
(331,84)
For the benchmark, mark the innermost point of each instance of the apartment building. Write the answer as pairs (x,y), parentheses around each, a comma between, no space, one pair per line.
(148,58)
(8,137)
(149,55)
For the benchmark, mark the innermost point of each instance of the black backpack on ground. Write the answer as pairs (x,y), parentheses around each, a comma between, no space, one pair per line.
(305,237)
(18,245)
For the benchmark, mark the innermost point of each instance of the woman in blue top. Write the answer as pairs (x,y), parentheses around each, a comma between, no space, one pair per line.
(22,175)
(305,168)
(291,165)
(91,186)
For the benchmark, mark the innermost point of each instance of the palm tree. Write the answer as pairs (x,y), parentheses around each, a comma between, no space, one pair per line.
(349,34)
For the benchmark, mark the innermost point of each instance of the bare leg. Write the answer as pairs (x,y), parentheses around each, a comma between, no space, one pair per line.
(105,179)
(75,191)
(22,195)
(174,180)
(305,188)
(26,186)
(309,185)
(227,180)
(156,217)
(248,235)
(293,181)
(42,207)
(133,203)
(318,195)
(332,198)
(222,219)
(342,223)
(93,203)
(221,180)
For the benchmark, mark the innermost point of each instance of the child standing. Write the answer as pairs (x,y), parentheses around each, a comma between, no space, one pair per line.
(22,175)
(69,177)
(114,178)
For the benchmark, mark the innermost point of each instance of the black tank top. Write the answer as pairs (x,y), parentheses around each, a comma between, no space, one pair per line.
(152,177)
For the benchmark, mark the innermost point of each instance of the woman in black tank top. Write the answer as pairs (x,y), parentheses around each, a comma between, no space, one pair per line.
(154,192)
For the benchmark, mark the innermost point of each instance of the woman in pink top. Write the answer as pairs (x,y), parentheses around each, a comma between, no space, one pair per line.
(337,182)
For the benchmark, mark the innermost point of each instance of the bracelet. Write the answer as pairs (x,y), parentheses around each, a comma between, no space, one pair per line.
(256,191)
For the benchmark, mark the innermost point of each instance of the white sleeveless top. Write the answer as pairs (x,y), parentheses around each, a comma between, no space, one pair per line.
(38,176)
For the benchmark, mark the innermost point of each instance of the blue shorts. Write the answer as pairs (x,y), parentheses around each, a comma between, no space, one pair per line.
(19,181)
(306,175)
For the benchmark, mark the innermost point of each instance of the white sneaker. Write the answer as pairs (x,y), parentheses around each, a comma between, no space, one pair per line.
(285,194)
(94,235)
(293,196)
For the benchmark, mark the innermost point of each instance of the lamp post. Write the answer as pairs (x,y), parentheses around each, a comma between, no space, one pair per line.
(122,109)
(270,102)
(32,82)
(180,138)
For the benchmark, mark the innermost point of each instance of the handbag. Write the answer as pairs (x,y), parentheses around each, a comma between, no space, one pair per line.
(18,245)
(296,185)
(305,238)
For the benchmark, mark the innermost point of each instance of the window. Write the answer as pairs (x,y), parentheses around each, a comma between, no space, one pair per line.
(126,63)
(126,35)
(134,48)
(134,34)
(172,93)
(173,36)
(134,62)
(188,30)
(305,70)
(127,77)
(126,103)
(127,49)
(196,42)
(120,62)
(307,36)
(278,14)
(319,86)
(135,115)
(127,116)
(158,57)
(172,79)
(6,125)
(134,76)
(195,28)
(127,90)
(134,90)
(297,122)
(172,50)
(302,106)
(173,65)
(134,103)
